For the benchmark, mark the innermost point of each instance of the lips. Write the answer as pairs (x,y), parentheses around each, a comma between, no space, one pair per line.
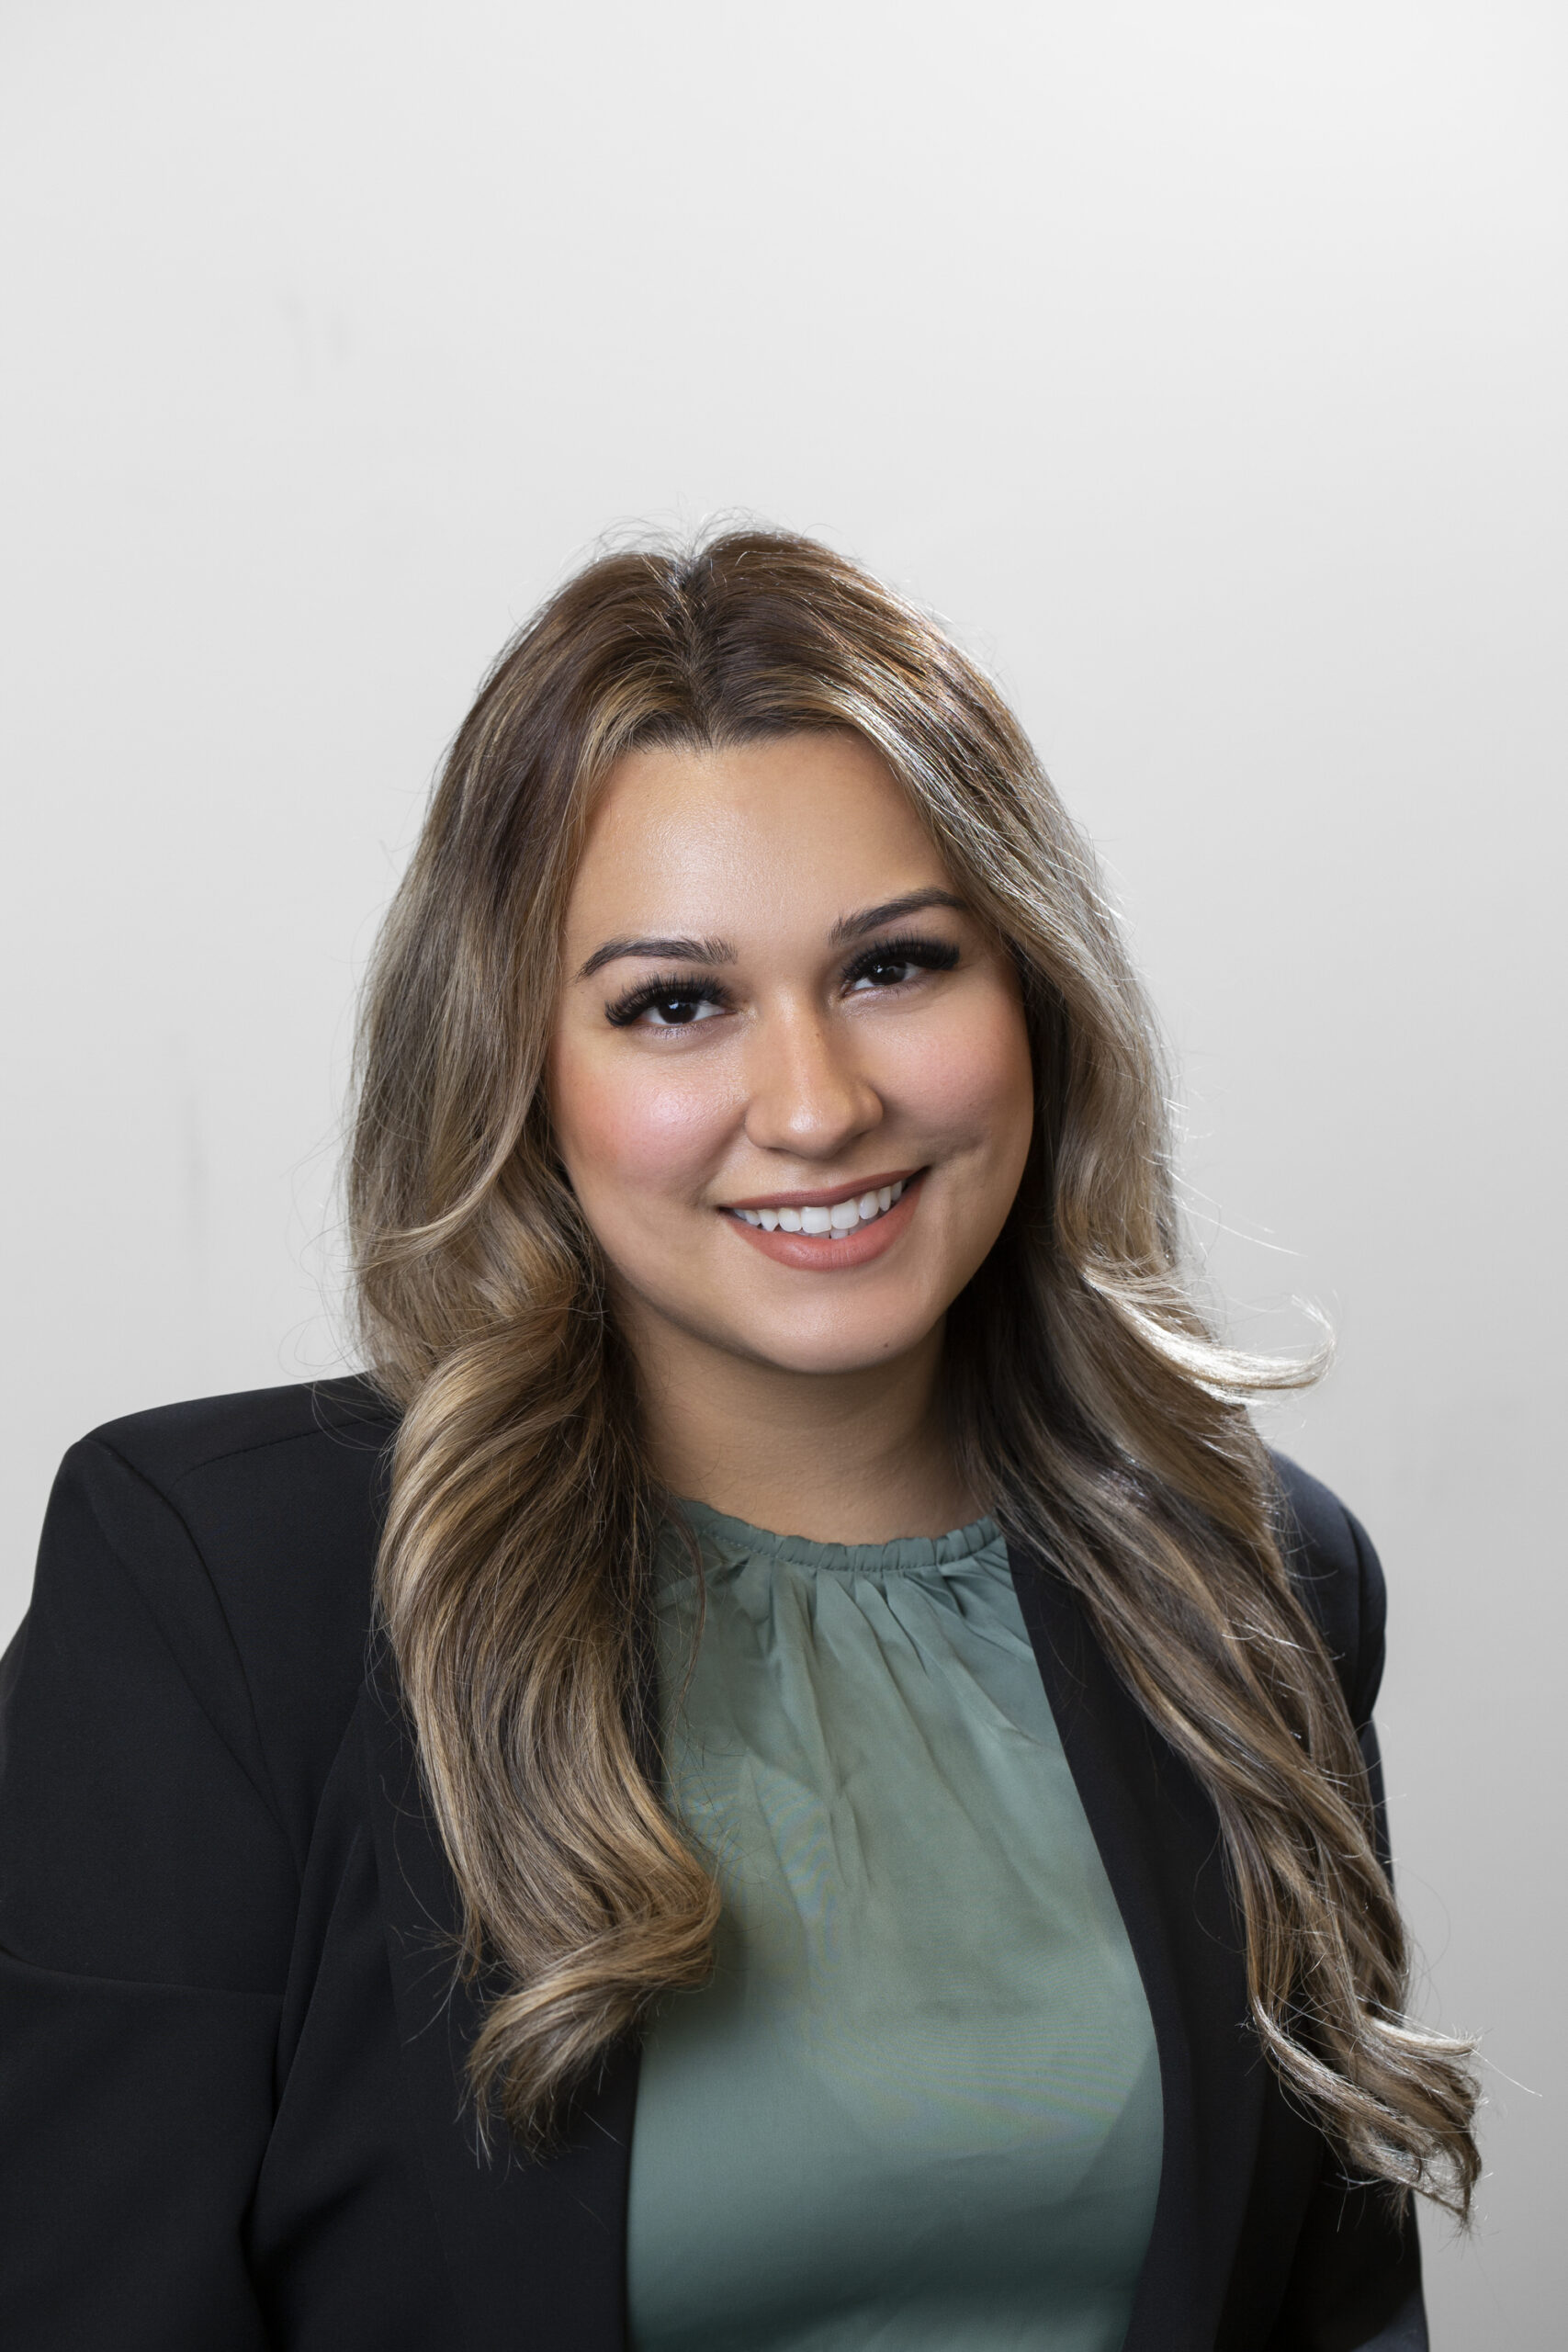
(835,1221)
(824,1246)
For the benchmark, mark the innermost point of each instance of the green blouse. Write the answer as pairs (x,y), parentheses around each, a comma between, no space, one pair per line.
(919,2104)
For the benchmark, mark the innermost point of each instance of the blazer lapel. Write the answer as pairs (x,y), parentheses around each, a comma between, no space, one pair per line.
(1159,1838)
(536,2249)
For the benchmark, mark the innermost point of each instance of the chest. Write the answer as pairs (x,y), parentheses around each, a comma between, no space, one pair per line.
(491,2240)
(922,2082)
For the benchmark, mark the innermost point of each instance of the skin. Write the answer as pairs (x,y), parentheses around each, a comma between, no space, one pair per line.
(790,1384)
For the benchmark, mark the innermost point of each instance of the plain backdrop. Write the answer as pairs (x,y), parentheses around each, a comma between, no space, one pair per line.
(1204,366)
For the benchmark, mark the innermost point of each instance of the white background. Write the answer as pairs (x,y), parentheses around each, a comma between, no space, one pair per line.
(1205,365)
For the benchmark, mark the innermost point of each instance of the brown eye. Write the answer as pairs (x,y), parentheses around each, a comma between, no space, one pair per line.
(666,1004)
(676,1011)
(893,963)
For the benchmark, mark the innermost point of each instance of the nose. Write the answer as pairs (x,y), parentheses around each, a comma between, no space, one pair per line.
(807,1096)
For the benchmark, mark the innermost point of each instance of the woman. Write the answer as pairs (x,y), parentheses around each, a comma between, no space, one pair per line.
(787,1771)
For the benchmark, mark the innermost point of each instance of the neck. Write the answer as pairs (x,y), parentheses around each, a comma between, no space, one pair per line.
(856,1457)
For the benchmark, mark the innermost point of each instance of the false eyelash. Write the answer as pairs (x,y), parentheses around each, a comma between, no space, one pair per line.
(930,954)
(669,987)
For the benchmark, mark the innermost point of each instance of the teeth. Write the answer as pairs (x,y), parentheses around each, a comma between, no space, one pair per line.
(841,1219)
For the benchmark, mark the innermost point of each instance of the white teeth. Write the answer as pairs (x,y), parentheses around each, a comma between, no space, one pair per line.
(841,1219)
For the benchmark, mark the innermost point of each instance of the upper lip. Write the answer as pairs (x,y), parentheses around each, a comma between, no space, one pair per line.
(825,1199)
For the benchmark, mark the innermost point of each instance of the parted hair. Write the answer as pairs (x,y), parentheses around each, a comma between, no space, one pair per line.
(1094,1410)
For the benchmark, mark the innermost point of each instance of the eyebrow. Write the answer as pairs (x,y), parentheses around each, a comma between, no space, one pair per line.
(666,951)
(913,902)
(720,951)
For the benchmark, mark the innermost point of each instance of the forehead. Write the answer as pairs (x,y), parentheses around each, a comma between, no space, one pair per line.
(760,837)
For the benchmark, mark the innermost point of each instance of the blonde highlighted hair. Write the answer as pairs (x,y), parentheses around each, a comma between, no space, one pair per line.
(1093,1407)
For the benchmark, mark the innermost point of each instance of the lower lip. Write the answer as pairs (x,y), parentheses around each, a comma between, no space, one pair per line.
(830,1253)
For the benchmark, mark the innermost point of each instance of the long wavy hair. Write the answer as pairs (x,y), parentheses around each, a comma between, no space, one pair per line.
(1093,1407)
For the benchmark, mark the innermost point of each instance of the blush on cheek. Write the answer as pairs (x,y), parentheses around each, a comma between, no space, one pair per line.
(971,1078)
(640,1127)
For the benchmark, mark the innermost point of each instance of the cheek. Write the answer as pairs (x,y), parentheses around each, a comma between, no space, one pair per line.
(642,1122)
(971,1079)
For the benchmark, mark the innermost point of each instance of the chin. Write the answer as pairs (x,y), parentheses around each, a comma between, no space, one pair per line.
(832,1351)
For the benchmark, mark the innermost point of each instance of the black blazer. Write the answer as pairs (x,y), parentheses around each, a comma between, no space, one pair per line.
(231,2108)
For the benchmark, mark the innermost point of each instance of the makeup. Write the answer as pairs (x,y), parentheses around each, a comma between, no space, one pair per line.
(835,1249)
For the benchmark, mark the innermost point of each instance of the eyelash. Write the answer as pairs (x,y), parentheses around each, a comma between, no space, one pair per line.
(671,988)
(677,988)
(929,954)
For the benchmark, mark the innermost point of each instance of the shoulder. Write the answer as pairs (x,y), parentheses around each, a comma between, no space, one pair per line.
(278,1494)
(185,1674)
(275,1496)
(241,1531)
(300,1469)
(1337,1575)
(219,1439)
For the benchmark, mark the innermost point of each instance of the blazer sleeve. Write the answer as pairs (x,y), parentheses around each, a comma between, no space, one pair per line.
(147,1890)
(1355,2284)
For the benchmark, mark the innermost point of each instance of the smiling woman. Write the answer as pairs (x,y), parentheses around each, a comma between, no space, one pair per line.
(729,1127)
(864,1772)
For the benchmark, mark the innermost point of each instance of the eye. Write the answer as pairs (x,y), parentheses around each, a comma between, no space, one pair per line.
(676,1011)
(888,972)
(893,963)
(667,1003)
